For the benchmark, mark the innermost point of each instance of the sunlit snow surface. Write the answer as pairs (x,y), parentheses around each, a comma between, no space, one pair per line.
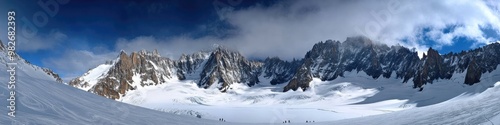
(355,95)
(92,76)
(42,101)
(355,99)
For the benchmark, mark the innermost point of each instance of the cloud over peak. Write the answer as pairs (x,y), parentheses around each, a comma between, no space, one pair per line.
(288,29)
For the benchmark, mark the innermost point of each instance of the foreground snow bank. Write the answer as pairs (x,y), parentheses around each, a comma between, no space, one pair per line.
(482,108)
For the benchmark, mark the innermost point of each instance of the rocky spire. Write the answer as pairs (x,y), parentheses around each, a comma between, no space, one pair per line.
(226,67)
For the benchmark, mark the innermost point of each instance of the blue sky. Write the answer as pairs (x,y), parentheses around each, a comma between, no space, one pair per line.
(85,33)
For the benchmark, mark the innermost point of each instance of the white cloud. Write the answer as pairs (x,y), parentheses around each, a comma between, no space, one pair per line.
(50,41)
(74,63)
(291,28)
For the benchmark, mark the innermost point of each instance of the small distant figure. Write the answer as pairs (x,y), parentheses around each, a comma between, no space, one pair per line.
(307,121)
(288,121)
(222,120)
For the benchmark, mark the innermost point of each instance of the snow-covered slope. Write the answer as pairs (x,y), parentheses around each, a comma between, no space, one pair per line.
(41,100)
(25,66)
(334,81)
(90,78)
(355,95)
(482,108)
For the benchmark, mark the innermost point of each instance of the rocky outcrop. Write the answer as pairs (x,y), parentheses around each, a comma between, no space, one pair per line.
(188,65)
(148,67)
(432,68)
(330,59)
(473,73)
(227,67)
(219,68)
(279,71)
(301,78)
(54,75)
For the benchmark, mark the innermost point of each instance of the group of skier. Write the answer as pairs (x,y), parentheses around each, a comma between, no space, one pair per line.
(222,120)
(288,121)
(309,121)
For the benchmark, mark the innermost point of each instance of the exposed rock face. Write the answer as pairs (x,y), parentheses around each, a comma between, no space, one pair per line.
(327,60)
(219,68)
(301,78)
(148,67)
(228,67)
(330,59)
(279,71)
(473,73)
(478,62)
(51,73)
(189,64)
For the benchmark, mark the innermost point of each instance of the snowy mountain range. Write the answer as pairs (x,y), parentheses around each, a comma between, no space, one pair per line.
(41,99)
(353,98)
(223,67)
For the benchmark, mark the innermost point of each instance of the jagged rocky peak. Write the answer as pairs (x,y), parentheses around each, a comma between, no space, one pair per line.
(328,61)
(114,78)
(323,56)
(218,68)
(194,56)
(150,66)
(280,71)
(187,65)
(433,68)
(225,67)
(480,61)
(324,49)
